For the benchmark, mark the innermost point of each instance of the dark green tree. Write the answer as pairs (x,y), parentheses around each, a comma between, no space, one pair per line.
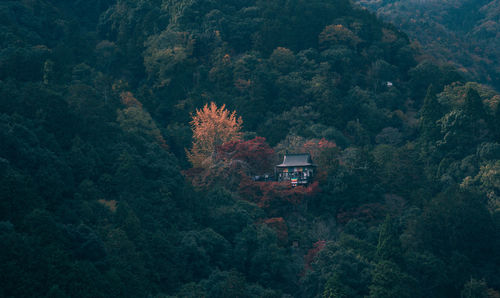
(335,289)
(430,113)
(473,105)
(388,281)
(389,245)
(475,289)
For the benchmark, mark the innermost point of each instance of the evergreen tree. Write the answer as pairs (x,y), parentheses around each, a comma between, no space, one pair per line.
(473,105)
(334,288)
(429,115)
(495,123)
(389,246)
(388,281)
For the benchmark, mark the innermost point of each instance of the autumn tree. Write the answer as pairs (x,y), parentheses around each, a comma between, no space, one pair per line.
(276,198)
(212,126)
(255,154)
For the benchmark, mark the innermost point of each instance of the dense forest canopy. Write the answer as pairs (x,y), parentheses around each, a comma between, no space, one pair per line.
(464,33)
(130,132)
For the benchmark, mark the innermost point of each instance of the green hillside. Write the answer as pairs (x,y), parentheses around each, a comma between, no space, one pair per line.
(107,188)
(463,33)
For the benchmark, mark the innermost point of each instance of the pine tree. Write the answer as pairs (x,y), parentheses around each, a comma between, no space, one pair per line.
(473,106)
(495,124)
(389,246)
(431,112)
(474,111)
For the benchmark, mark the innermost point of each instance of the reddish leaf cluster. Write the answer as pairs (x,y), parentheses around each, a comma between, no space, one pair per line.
(312,253)
(279,225)
(255,153)
(233,162)
(276,196)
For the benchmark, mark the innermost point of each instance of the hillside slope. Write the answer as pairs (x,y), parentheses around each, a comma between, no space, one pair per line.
(463,33)
(98,198)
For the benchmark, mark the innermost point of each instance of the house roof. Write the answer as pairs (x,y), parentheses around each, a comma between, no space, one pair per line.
(296,160)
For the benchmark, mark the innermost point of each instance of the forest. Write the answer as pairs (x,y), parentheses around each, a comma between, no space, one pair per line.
(464,33)
(130,132)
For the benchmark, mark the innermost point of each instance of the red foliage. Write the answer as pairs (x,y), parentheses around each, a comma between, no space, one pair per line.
(250,190)
(283,192)
(279,225)
(255,153)
(313,252)
(276,196)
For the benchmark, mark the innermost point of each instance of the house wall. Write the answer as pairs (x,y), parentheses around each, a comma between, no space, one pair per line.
(302,173)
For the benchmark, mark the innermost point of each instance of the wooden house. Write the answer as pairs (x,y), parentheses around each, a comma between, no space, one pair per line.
(296,168)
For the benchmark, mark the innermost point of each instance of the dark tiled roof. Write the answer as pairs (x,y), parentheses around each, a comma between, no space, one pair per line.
(296,160)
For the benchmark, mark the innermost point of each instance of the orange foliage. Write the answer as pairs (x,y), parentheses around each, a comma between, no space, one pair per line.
(232,161)
(256,155)
(212,127)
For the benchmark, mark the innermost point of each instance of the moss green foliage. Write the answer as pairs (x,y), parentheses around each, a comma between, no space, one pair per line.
(97,197)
